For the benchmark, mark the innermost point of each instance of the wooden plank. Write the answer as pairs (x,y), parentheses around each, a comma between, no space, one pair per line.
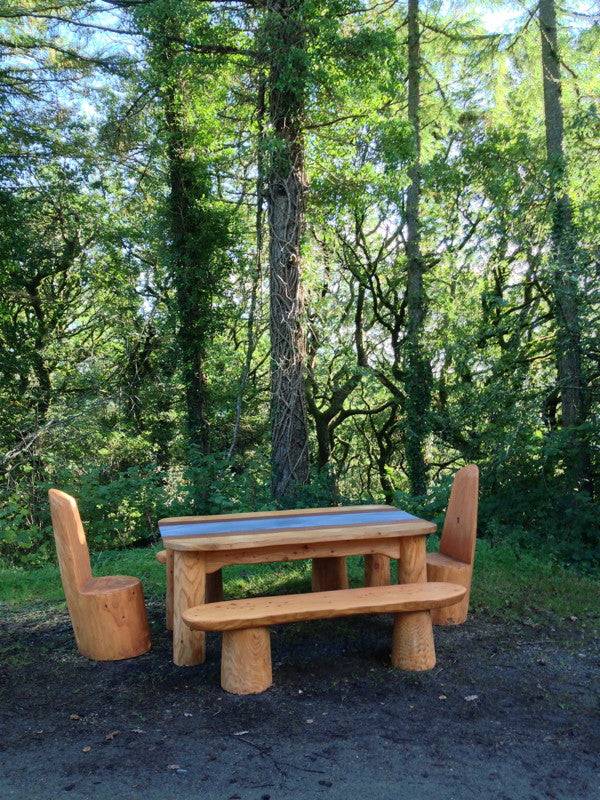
(265,611)
(418,527)
(266,514)
(295,552)
(299,521)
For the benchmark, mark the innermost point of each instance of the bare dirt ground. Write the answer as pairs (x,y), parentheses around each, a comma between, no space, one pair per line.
(509,713)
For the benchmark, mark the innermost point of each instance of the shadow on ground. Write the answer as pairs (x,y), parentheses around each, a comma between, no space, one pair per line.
(508,713)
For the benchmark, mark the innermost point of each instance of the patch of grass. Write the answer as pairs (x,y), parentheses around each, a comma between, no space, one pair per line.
(507,583)
(514,584)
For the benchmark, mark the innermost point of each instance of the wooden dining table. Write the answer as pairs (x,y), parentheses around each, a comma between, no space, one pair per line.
(198,547)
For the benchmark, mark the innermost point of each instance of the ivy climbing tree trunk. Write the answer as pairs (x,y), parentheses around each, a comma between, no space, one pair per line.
(192,298)
(564,267)
(286,201)
(417,367)
(198,231)
(258,262)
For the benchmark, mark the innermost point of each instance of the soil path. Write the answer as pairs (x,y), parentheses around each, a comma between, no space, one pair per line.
(509,713)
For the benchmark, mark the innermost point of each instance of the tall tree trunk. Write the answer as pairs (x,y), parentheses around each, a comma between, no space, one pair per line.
(417,367)
(258,265)
(194,303)
(286,200)
(571,382)
(199,233)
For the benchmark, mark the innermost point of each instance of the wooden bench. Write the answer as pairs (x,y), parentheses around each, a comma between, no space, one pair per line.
(246,651)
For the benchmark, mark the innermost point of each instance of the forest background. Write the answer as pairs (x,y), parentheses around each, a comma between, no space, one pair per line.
(262,253)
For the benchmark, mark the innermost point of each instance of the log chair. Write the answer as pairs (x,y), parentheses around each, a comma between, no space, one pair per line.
(108,614)
(454,561)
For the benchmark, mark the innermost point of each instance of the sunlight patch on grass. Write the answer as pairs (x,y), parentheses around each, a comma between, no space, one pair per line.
(507,584)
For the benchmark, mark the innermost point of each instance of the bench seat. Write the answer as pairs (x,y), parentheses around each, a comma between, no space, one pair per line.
(256,612)
(246,653)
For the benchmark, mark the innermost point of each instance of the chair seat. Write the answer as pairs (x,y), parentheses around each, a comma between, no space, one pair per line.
(445,562)
(109,584)
(265,611)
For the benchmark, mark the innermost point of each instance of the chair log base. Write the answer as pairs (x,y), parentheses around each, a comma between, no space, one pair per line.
(329,574)
(246,661)
(110,625)
(412,642)
(377,570)
(442,568)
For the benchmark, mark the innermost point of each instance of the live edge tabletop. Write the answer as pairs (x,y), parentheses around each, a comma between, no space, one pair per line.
(197,548)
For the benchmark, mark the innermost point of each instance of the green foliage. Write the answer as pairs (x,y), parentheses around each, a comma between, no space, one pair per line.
(114,299)
(508,583)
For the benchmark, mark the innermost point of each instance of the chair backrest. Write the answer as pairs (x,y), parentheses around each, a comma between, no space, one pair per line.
(460,524)
(71,546)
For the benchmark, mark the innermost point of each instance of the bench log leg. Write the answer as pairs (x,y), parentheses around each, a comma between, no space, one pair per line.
(246,661)
(377,570)
(189,583)
(329,574)
(412,643)
(214,587)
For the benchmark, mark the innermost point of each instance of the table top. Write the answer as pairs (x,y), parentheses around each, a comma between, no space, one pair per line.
(299,526)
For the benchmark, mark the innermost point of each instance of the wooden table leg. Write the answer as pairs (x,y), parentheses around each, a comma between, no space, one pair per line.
(377,570)
(329,574)
(412,647)
(412,563)
(169,592)
(214,587)
(189,587)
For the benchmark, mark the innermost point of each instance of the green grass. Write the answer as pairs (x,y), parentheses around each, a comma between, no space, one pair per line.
(507,584)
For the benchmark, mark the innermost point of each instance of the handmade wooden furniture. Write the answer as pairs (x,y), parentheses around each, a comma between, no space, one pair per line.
(203,545)
(246,652)
(108,614)
(377,571)
(214,585)
(454,561)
